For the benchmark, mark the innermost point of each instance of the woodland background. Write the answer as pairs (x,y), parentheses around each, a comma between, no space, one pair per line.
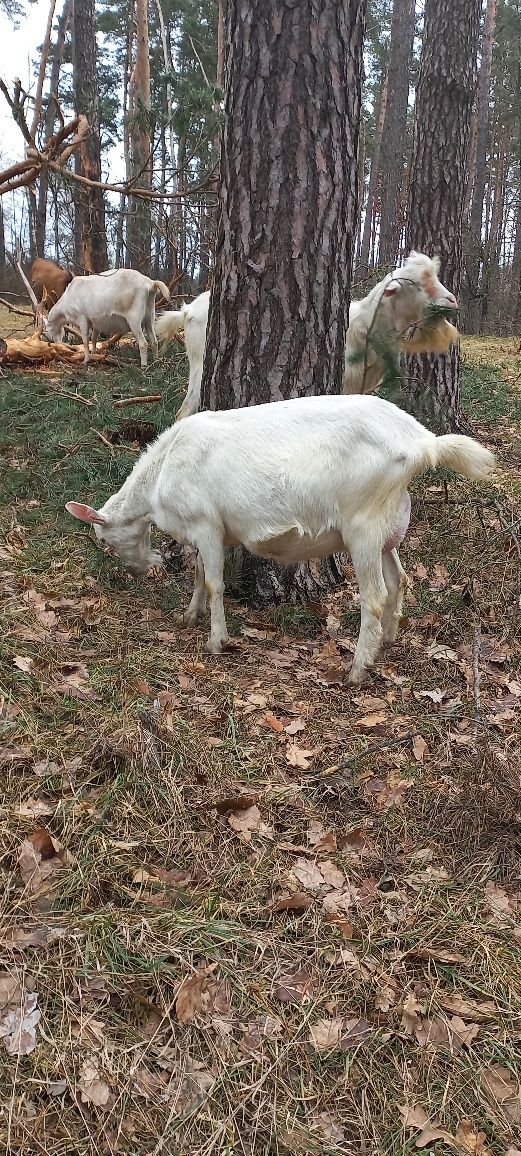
(158,113)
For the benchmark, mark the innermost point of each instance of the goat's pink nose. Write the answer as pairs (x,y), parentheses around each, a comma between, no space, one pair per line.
(451,300)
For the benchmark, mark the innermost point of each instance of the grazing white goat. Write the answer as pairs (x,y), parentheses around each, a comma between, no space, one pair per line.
(110,303)
(396,306)
(385,318)
(193,319)
(292,480)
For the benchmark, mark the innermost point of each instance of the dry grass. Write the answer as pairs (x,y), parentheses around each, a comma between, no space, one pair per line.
(201,1019)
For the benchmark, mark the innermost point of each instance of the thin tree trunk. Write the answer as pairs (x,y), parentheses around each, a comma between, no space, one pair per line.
(492,249)
(139,230)
(50,118)
(91,240)
(280,297)
(394,130)
(2,241)
(474,247)
(374,175)
(444,100)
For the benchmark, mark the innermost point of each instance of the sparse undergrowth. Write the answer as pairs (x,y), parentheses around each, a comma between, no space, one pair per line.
(262,912)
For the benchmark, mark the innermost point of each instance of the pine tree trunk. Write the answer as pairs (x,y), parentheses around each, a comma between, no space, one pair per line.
(444,100)
(2,241)
(139,225)
(289,178)
(474,248)
(374,176)
(394,130)
(493,244)
(91,240)
(50,118)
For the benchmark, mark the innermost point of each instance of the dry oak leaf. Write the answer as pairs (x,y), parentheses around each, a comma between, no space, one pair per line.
(294,986)
(296,725)
(411,1020)
(319,838)
(299,901)
(245,821)
(467,1140)
(23,662)
(501,905)
(274,723)
(39,857)
(309,874)
(501,1086)
(420,749)
(192,998)
(325,1034)
(332,875)
(375,719)
(481,1012)
(329,1127)
(18,1017)
(255,1034)
(297,757)
(93,1089)
(414,1116)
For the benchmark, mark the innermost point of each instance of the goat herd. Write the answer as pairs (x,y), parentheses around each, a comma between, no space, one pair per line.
(293,480)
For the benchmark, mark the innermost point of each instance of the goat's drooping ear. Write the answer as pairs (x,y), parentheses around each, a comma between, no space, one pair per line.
(85,513)
(391,288)
(436,263)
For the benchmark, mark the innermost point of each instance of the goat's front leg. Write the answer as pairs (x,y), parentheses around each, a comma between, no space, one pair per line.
(84,330)
(373,597)
(197,604)
(395,580)
(211,550)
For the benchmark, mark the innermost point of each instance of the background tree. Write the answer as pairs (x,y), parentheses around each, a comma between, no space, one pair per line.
(289,177)
(139,225)
(90,236)
(444,100)
(394,130)
(477,176)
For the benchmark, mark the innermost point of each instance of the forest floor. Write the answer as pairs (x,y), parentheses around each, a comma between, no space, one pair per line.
(258,910)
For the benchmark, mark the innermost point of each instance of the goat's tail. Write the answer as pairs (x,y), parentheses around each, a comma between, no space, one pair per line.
(464,456)
(163,289)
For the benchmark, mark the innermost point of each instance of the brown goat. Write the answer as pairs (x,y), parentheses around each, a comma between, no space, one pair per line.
(49,280)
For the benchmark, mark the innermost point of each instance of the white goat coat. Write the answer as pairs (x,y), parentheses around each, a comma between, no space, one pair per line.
(291,480)
(395,305)
(111,303)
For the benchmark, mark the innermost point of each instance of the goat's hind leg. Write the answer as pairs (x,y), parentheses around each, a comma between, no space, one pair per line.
(211,550)
(197,604)
(395,580)
(367,565)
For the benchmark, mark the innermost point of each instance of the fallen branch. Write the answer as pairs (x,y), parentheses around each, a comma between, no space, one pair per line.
(110,445)
(35,349)
(138,400)
(15,309)
(72,396)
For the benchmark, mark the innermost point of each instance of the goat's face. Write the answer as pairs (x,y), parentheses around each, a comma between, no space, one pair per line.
(54,326)
(416,286)
(129,540)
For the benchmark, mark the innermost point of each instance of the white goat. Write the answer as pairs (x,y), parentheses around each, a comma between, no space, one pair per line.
(387,315)
(110,303)
(292,480)
(193,319)
(396,305)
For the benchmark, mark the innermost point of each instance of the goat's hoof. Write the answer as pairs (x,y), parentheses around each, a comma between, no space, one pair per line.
(215,647)
(189,618)
(356,676)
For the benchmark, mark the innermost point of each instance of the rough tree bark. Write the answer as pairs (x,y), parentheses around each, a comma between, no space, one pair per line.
(90,236)
(2,241)
(444,100)
(473,245)
(288,196)
(394,130)
(139,224)
(374,175)
(50,118)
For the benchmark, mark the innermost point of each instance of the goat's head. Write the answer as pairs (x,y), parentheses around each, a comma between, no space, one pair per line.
(53,324)
(416,286)
(130,540)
